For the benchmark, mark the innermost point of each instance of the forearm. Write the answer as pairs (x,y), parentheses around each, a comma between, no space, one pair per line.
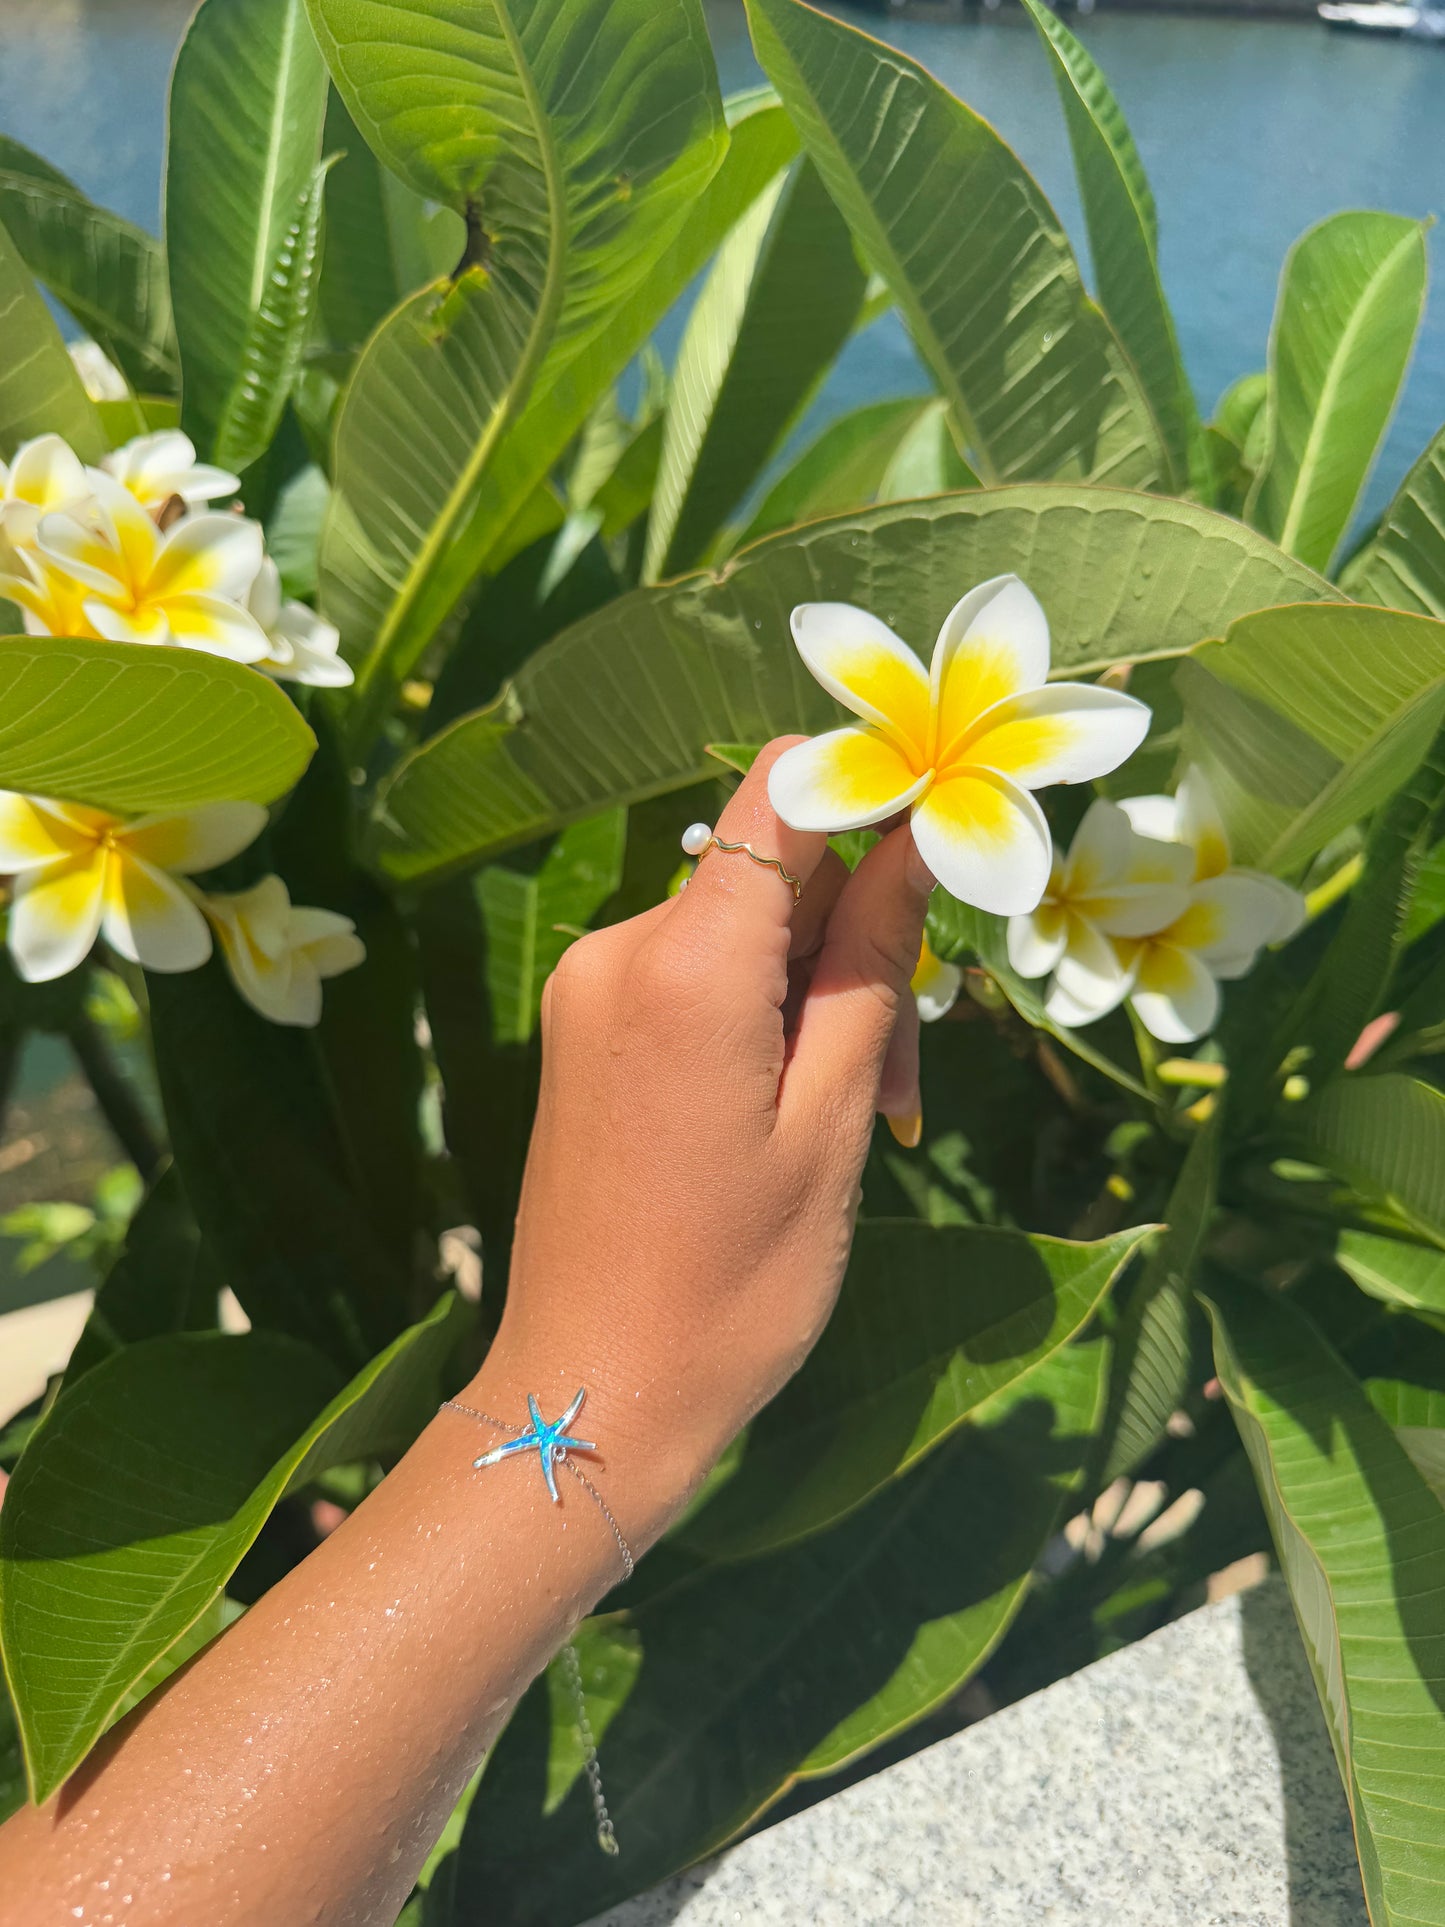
(306,1761)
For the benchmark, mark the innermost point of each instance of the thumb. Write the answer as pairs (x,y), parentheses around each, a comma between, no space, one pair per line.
(859,994)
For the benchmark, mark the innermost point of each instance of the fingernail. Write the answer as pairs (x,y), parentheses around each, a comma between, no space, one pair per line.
(907,1131)
(917,871)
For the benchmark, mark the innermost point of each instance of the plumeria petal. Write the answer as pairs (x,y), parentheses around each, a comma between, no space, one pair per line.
(871,671)
(208,554)
(1063,733)
(47,474)
(994,643)
(1229,918)
(1175,997)
(1293,910)
(1156,817)
(986,841)
(936,984)
(305,648)
(126,625)
(1067,1012)
(1099,853)
(1036,940)
(843,780)
(1091,973)
(88,550)
(1138,909)
(1200,824)
(157,466)
(263,598)
(214,625)
(188,841)
(278,954)
(33,833)
(149,918)
(55,916)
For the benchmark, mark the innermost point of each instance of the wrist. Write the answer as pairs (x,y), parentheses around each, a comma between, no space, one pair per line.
(649,1458)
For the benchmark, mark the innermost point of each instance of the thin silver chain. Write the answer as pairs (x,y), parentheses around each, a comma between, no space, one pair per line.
(571,1664)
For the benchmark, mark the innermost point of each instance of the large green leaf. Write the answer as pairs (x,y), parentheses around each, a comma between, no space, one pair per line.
(1350,301)
(1307,719)
(134,1501)
(269,1165)
(1123,240)
(129,727)
(1386,1135)
(933,1326)
(842,469)
(1394,1271)
(1404,566)
(1361,1540)
(974,254)
(775,310)
(40,391)
(623,705)
(382,242)
(243,200)
(1149,1377)
(109,274)
(165,1279)
(775,1669)
(574,146)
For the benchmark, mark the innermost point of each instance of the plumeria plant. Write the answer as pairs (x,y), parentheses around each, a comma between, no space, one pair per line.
(378,609)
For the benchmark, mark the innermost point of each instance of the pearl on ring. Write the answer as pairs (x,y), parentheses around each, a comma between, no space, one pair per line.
(696,837)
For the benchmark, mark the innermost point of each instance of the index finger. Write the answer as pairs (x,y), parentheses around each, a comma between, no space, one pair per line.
(740,902)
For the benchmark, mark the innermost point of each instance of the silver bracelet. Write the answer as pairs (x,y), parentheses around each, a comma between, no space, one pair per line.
(553,1444)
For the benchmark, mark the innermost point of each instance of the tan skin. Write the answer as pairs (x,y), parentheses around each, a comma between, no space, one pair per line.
(711,1073)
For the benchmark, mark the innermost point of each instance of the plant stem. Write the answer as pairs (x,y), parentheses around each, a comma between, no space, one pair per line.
(119,1105)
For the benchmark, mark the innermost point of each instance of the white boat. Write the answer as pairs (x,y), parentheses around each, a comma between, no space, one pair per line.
(1385,16)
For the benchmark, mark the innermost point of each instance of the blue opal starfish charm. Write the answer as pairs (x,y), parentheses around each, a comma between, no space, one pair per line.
(549,1441)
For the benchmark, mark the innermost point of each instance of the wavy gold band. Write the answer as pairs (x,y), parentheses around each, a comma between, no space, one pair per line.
(699,839)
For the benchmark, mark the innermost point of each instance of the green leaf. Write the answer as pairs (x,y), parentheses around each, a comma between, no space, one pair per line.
(775,310)
(974,254)
(1350,301)
(1150,1373)
(531,917)
(382,244)
(1361,1540)
(1123,241)
(1393,1271)
(1386,1136)
(135,1500)
(243,197)
(109,274)
(1404,566)
(165,1280)
(128,727)
(926,460)
(40,390)
(842,469)
(933,1326)
(1307,719)
(270,1169)
(777,1669)
(623,705)
(585,143)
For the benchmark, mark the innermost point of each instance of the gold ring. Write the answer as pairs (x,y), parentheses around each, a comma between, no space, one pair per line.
(698,839)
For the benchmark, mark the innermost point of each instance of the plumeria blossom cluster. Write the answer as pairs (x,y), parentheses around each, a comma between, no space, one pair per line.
(80,873)
(131,551)
(961,746)
(1148,907)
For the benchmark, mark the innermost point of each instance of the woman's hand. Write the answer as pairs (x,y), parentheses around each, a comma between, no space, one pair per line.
(711,1071)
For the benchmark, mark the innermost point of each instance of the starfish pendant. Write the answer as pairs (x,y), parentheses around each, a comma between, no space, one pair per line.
(549,1441)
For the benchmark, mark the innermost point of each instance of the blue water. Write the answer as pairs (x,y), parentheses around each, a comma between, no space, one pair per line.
(1250,131)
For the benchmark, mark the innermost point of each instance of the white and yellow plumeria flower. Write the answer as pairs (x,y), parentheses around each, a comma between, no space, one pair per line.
(961,748)
(158,467)
(305,648)
(99,376)
(936,984)
(81,872)
(278,952)
(186,586)
(46,474)
(1192,817)
(1174,974)
(1112,883)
